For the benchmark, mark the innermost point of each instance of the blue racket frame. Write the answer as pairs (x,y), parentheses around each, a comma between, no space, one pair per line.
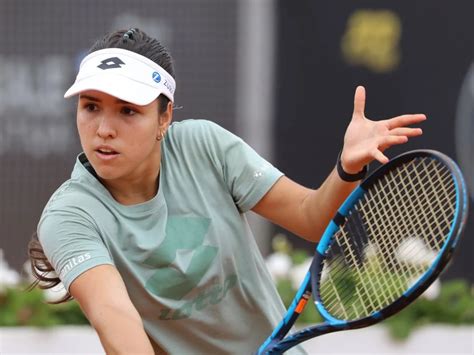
(275,344)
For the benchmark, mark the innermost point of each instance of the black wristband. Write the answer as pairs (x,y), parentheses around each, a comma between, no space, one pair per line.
(349,177)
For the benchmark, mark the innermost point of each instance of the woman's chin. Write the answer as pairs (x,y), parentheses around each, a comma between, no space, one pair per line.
(108,174)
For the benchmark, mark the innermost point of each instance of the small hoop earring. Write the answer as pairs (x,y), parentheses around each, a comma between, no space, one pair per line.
(160,136)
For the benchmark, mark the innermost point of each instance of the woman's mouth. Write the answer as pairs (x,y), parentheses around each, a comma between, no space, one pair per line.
(106,153)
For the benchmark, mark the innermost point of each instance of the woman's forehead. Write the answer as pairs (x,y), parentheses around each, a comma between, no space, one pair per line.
(102,97)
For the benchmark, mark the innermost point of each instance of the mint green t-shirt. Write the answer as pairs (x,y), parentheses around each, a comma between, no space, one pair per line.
(187,256)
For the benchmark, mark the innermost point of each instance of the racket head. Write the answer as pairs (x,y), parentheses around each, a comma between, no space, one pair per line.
(277,344)
(352,291)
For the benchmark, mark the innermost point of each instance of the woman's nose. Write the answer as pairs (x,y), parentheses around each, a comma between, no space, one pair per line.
(106,127)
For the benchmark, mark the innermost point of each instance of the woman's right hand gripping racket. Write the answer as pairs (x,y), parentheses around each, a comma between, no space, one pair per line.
(387,243)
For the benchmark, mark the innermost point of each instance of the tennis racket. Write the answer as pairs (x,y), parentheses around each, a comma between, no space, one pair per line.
(387,243)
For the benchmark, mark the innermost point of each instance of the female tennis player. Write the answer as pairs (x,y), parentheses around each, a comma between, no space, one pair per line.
(149,234)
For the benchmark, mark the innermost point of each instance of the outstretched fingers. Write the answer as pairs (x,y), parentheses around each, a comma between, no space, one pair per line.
(406,131)
(379,156)
(388,141)
(359,102)
(405,120)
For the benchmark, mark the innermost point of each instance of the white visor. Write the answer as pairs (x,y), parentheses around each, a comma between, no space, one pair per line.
(123,74)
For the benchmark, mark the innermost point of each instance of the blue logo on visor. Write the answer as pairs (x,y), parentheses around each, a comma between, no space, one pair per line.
(156,76)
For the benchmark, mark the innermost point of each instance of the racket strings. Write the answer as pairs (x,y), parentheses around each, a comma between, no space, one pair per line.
(411,211)
(378,245)
(389,239)
(361,293)
(412,250)
(445,203)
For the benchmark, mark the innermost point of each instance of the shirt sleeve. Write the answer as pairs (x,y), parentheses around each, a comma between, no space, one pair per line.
(72,245)
(247,175)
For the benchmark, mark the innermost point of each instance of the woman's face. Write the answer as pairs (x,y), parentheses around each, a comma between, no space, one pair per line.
(119,138)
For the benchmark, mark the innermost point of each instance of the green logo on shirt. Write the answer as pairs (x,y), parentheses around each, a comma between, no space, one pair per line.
(181,260)
(213,295)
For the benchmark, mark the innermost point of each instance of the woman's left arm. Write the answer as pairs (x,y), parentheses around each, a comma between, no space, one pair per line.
(306,212)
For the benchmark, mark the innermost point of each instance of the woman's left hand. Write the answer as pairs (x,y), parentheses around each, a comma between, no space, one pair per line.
(366,140)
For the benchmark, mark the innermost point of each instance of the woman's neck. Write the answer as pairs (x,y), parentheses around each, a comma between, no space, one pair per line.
(138,187)
(132,193)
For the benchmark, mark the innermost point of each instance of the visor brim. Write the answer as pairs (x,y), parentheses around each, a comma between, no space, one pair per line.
(120,87)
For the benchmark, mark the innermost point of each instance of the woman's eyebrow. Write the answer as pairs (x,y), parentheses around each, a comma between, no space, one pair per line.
(91,98)
(95,99)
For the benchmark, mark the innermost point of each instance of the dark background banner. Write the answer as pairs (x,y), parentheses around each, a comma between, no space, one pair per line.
(411,57)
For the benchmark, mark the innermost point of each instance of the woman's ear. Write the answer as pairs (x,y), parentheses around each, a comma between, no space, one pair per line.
(165,118)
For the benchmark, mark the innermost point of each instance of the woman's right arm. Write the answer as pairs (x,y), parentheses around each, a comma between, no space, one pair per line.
(104,300)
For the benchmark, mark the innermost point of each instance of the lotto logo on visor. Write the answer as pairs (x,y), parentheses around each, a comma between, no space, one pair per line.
(111,63)
(124,74)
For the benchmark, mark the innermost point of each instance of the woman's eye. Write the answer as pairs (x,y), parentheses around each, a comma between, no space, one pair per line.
(91,107)
(127,111)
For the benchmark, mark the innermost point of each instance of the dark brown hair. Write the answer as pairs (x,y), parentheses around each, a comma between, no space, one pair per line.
(42,270)
(133,40)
